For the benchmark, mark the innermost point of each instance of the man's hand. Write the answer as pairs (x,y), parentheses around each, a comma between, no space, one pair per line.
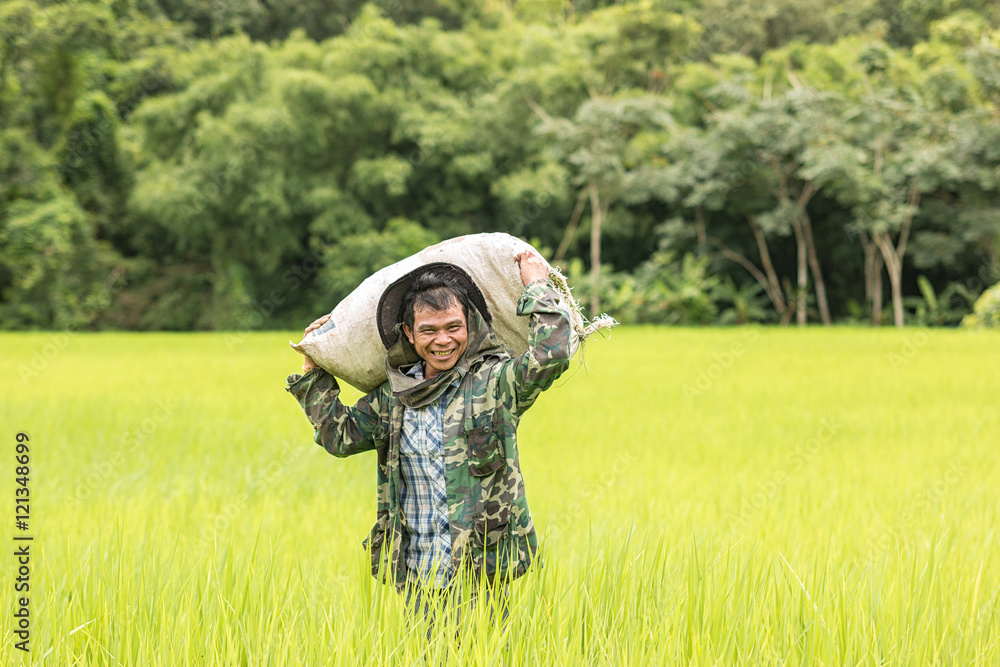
(532,267)
(309,364)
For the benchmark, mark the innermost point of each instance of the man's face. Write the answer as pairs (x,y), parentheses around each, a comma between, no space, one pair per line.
(439,336)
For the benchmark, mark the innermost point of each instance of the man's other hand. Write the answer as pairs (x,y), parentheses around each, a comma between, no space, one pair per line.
(532,267)
(309,364)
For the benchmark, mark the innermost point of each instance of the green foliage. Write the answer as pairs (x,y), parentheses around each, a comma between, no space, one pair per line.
(320,19)
(672,293)
(665,290)
(40,241)
(353,258)
(747,303)
(946,309)
(52,269)
(181,159)
(986,311)
(753,28)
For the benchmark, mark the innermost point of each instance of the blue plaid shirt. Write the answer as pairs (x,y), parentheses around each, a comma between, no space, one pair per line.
(424,494)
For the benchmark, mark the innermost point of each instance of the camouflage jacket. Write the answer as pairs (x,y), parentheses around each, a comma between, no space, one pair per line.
(491,527)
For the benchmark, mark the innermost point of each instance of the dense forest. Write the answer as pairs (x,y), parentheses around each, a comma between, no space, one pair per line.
(179,165)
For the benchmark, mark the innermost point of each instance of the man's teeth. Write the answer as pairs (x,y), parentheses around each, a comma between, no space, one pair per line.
(442,354)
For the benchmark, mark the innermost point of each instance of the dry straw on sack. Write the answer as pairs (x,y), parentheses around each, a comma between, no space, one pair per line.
(349,346)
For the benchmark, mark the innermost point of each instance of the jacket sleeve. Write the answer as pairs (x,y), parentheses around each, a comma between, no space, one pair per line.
(549,339)
(341,430)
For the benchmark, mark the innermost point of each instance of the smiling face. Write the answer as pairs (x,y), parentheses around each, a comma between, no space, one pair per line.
(439,336)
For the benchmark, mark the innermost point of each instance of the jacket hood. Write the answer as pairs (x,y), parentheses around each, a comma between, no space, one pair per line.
(401,357)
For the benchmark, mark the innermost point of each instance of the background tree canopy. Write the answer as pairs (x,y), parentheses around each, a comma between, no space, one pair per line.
(175,165)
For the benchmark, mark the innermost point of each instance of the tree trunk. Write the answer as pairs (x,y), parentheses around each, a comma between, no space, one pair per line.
(808,189)
(817,274)
(873,278)
(802,275)
(893,256)
(894,267)
(574,220)
(744,261)
(765,259)
(699,219)
(877,292)
(595,249)
(870,247)
(790,298)
(783,195)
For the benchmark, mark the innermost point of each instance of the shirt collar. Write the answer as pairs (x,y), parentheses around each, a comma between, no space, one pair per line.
(417,371)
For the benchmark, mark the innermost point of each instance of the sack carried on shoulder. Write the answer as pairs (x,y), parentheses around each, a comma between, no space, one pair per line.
(349,346)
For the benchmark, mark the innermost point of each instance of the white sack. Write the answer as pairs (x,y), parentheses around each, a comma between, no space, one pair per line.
(349,346)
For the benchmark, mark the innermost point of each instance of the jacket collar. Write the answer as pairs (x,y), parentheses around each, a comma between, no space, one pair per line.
(414,393)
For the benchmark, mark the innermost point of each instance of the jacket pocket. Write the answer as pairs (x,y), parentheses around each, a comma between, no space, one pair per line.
(374,542)
(492,525)
(482,434)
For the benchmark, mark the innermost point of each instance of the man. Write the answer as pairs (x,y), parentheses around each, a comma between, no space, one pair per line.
(451,498)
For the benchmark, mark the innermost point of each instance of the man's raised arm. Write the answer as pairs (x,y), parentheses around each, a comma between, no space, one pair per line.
(341,430)
(549,338)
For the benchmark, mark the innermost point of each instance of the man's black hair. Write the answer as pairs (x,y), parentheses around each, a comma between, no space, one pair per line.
(436,290)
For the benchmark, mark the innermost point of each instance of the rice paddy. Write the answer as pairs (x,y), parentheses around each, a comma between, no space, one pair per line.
(703,496)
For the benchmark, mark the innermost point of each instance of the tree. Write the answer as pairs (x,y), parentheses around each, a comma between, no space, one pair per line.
(601,143)
(705,175)
(65,72)
(905,156)
(777,136)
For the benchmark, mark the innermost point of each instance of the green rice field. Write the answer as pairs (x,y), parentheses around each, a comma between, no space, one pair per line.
(703,496)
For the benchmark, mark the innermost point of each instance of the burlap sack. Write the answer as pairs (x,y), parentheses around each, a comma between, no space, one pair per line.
(349,346)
